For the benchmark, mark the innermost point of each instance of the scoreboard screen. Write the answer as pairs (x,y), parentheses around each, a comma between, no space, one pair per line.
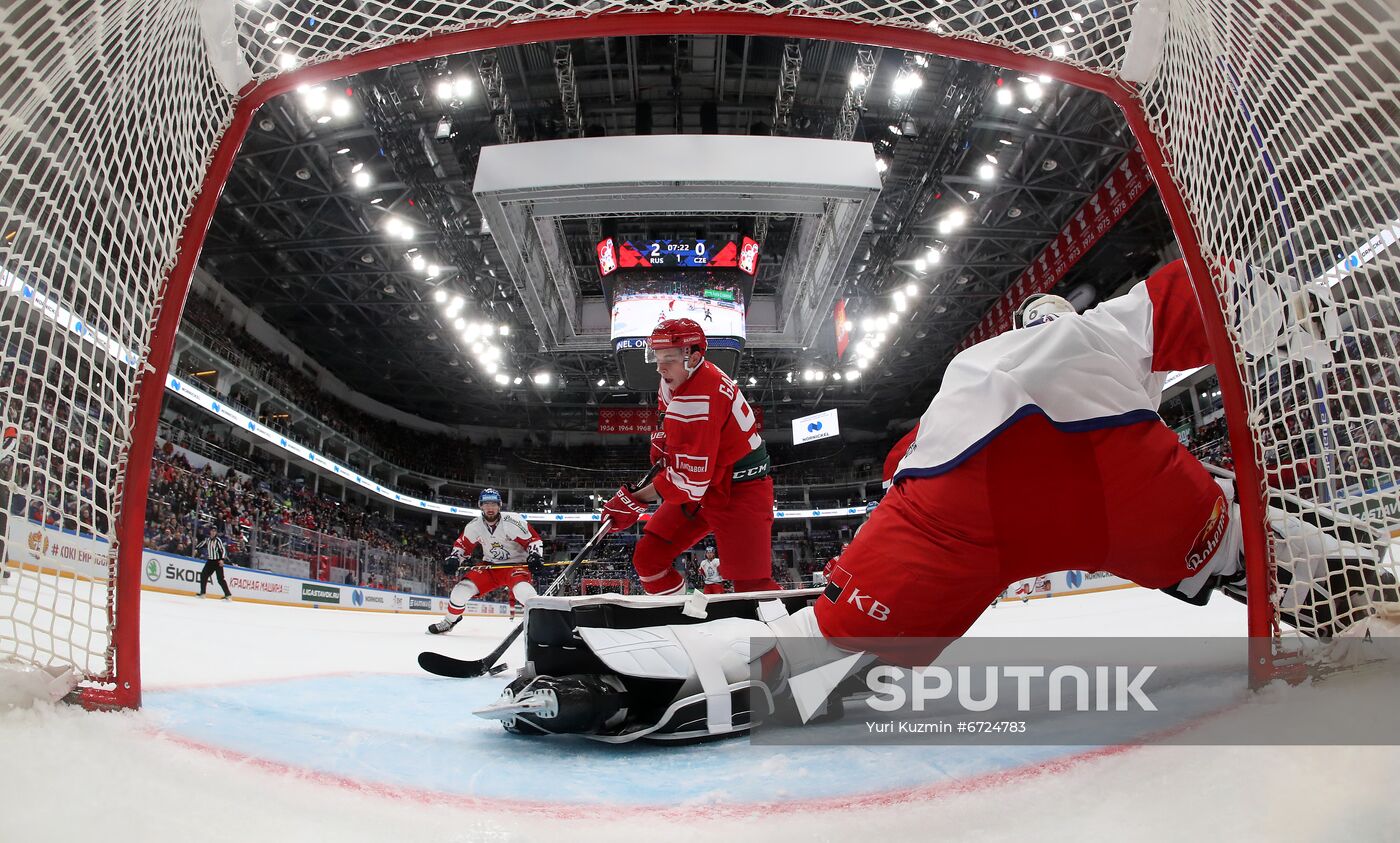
(677,254)
(641,300)
(646,282)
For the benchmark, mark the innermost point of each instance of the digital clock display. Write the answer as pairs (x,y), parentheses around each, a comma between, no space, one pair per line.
(659,253)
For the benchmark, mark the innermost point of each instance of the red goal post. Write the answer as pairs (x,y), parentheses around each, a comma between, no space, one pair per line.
(1269,128)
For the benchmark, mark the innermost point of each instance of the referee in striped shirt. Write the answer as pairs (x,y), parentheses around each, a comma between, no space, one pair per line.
(214,552)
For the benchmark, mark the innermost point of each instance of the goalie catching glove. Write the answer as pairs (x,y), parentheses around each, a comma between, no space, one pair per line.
(623,510)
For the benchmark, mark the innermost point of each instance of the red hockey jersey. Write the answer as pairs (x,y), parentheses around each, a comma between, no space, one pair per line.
(709,427)
(895,455)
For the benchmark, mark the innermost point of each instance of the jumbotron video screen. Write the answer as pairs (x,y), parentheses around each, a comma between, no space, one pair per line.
(648,282)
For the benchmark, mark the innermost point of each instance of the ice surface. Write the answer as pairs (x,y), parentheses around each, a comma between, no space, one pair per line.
(266,722)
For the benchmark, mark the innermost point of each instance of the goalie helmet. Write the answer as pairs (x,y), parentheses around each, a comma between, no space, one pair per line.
(675,333)
(1040,308)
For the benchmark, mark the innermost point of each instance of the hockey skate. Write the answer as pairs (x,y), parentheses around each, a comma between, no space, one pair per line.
(542,705)
(443,625)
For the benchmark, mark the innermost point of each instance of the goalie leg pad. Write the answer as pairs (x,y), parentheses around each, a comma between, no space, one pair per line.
(1331,574)
(679,681)
(710,658)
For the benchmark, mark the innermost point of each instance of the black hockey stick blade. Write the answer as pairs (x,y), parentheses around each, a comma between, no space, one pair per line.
(457,668)
(468,668)
(441,665)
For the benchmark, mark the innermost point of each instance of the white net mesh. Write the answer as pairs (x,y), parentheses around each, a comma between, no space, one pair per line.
(1279,121)
(1284,128)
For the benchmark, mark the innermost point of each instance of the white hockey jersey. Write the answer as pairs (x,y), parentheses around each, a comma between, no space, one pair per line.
(506,543)
(709,571)
(1121,353)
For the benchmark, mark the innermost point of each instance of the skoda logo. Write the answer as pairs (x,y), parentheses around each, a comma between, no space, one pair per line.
(357,597)
(152,570)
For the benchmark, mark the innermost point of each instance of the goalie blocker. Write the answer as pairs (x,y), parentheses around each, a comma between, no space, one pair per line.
(618,668)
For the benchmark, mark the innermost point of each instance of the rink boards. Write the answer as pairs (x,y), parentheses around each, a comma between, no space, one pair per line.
(65,554)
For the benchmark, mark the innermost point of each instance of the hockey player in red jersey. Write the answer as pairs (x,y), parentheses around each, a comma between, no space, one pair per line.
(895,455)
(1042,452)
(510,548)
(886,480)
(716,473)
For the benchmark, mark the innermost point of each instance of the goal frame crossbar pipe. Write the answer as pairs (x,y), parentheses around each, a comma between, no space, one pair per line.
(155,367)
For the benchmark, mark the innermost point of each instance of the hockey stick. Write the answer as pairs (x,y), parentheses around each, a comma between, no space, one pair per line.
(468,668)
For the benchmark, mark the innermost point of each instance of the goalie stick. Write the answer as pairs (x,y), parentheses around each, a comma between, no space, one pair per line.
(469,668)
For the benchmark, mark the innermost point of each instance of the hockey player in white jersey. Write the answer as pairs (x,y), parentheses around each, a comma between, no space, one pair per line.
(713,583)
(510,548)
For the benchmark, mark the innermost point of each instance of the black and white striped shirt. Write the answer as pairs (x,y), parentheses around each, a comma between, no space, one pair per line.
(214,549)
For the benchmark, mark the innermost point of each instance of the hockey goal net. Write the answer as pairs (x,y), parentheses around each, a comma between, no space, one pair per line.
(1270,129)
(604,586)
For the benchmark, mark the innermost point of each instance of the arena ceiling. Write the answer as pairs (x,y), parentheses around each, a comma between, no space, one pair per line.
(311,229)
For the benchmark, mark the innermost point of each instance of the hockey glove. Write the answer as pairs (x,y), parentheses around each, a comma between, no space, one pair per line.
(453,563)
(534,561)
(658,446)
(623,510)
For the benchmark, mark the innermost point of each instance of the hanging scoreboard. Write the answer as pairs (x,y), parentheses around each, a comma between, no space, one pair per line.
(647,282)
(666,254)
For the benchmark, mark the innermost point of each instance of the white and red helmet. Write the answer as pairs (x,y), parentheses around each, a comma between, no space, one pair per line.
(676,333)
(1041,308)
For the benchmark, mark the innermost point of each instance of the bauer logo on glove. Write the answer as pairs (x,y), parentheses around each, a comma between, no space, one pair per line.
(623,510)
